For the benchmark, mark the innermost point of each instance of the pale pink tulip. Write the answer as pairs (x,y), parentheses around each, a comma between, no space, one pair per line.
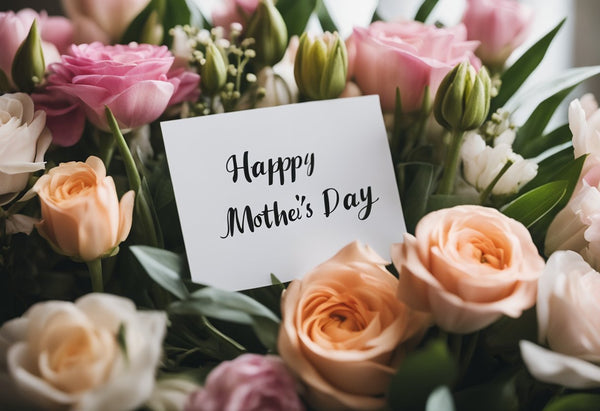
(408,55)
(500,26)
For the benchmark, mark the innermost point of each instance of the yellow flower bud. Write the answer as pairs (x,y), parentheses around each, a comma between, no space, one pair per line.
(462,101)
(321,66)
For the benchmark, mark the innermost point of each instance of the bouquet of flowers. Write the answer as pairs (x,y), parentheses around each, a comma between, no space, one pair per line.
(490,300)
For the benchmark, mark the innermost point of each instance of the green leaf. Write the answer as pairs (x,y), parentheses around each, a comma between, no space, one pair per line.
(136,27)
(500,394)
(419,374)
(535,204)
(28,65)
(440,400)
(425,9)
(122,340)
(575,402)
(535,125)
(177,13)
(560,166)
(233,307)
(296,13)
(517,73)
(164,267)
(535,146)
(4,83)
(439,201)
(325,19)
(414,199)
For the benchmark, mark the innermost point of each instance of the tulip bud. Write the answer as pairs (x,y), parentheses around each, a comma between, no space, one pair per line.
(269,32)
(28,67)
(321,66)
(463,98)
(213,72)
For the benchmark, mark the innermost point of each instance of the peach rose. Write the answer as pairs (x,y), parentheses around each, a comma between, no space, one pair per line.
(98,353)
(468,265)
(343,329)
(81,213)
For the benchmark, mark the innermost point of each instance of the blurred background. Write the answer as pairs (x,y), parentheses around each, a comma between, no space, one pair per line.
(576,44)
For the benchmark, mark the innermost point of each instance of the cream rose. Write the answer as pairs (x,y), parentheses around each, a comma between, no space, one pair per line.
(98,353)
(468,265)
(81,213)
(343,330)
(24,140)
(568,312)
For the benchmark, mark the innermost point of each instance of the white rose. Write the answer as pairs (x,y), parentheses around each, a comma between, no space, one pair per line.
(24,139)
(171,394)
(98,353)
(568,313)
(482,163)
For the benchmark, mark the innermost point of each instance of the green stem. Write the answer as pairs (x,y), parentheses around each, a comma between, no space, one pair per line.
(107,148)
(132,173)
(95,269)
(451,163)
(488,190)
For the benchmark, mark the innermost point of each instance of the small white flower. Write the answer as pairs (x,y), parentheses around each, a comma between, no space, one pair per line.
(482,163)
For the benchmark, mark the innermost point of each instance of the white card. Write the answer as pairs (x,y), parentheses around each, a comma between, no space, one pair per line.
(280,190)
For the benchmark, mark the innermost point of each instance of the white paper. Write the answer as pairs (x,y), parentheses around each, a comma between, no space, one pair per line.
(315,152)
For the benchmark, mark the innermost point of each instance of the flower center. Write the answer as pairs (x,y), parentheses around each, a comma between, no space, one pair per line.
(486,252)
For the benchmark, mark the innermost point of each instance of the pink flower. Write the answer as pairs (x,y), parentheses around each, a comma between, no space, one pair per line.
(104,21)
(135,81)
(568,312)
(56,33)
(65,117)
(251,382)
(500,26)
(584,123)
(233,11)
(408,55)
(468,266)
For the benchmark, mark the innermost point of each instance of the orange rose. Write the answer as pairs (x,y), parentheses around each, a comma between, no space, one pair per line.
(343,329)
(81,213)
(468,265)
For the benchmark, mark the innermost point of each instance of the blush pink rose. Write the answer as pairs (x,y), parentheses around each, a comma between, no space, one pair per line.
(136,81)
(233,11)
(568,312)
(468,265)
(408,55)
(344,331)
(56,34)
(500,26)
(251,382)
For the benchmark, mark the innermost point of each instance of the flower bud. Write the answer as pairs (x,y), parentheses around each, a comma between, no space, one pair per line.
(213,72)
(28,67)
(463,98)
(269,32)
(321,66)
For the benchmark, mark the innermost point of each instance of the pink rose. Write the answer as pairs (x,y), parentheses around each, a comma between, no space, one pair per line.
(104,21)
(56,34)
(233,11)
(500,26)
(408,55)
(344,332)
(135,81)
(568,311)
(251,382)
(468,265)
(65,116)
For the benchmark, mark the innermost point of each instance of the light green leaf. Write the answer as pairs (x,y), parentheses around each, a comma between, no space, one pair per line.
(425,10)
(325,19)
(575,402)
(419,374)
(440,400)
(296,13)
(535,204)
(517,73)
(164,267)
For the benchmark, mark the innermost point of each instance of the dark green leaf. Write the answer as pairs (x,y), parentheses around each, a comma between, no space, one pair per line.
(425,9)
(498,395)
(414,199)
(177,12)
(575,402)
(233,307)
(536,146)
(296,13)
(28,64)
(535,125)
(440,400)
(122,340)
(164,267)
(535,204)
(4,83)
(325,19)
(517,73)
(136,27)
(419,374)
(559,166)
(439,201)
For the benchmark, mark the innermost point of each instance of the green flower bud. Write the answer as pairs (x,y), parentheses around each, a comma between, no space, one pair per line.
(269,31)
(152,31)
(462,101)
(28,67)
(213,73)
(321,66)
